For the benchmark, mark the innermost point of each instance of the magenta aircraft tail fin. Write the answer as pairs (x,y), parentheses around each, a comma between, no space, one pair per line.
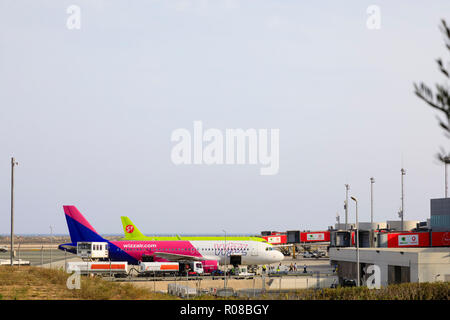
(79,228)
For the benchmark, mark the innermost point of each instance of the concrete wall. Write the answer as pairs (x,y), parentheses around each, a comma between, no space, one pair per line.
(407,224)
(300,283)
(341,226)
(379,257)
(372,226)
(424,263)
(434,266)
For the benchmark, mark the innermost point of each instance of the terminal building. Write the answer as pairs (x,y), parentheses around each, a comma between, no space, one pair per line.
(419,253)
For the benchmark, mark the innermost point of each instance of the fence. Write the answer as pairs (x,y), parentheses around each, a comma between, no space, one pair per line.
(249,287)
(36,255)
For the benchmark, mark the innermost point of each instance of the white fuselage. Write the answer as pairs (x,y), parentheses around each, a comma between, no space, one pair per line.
(249,252)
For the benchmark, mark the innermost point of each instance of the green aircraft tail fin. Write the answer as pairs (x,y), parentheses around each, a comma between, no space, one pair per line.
(130,230)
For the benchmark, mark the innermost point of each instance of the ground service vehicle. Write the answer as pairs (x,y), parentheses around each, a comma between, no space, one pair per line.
(170,268)
(92,250)
(98,267)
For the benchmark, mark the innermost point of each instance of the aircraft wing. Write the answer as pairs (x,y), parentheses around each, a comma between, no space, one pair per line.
(70,247)
(177,257)
(181,257)
(281,245)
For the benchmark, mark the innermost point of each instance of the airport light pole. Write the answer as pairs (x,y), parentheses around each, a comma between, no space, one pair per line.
(357,242)
(403,172)
(13,164)
(347,187)
(51,245)
(446,162)
(226,265)
(372,181)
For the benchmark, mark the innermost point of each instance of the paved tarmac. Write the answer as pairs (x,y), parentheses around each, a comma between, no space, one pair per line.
(38,257)
(313,265)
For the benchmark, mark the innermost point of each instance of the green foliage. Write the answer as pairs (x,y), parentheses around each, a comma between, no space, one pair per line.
(42,283)
(404,291)
(439,100)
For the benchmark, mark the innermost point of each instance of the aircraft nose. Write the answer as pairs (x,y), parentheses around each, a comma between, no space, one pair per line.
(278,256)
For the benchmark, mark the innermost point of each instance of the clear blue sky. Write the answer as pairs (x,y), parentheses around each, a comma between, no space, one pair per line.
(89,113)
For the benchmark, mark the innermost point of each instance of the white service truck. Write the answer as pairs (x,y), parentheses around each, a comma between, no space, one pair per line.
(170,268)
(95,257)
(115,268)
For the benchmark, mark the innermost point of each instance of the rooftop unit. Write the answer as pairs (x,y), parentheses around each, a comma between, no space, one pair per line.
(440,214)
